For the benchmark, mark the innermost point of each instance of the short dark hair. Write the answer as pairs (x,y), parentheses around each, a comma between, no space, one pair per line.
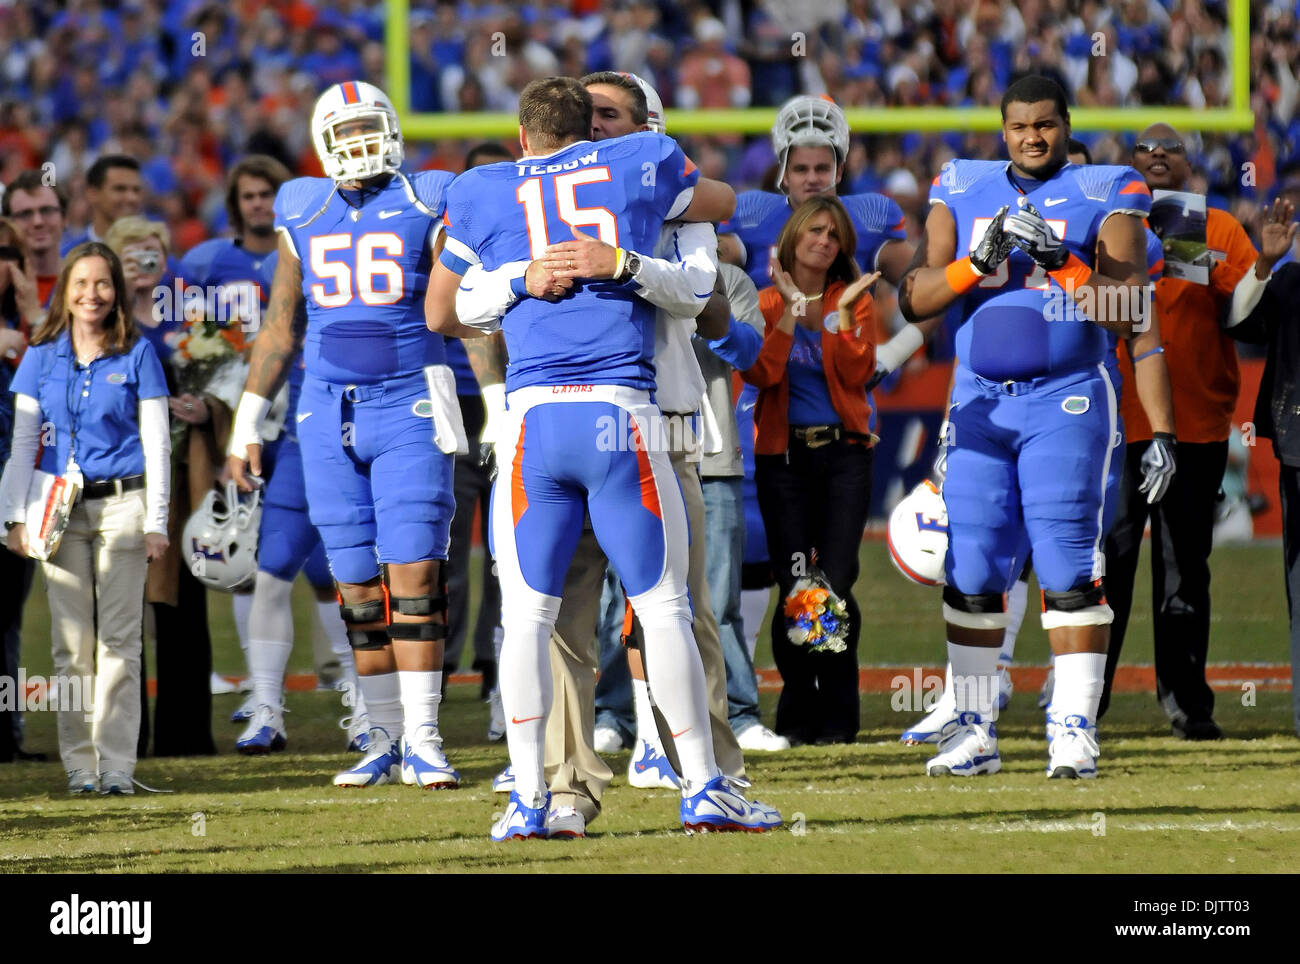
(31,182)
(1076,146)
(489,152)
(613,78)
(97,173)
(555,111)
(1035,88)
(255,165)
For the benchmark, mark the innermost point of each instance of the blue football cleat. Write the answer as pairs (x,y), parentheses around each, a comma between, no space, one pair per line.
(719,806)
(520,822)
(383,764)
(264,733)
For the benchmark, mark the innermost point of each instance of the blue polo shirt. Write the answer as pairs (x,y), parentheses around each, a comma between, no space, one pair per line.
(92,409)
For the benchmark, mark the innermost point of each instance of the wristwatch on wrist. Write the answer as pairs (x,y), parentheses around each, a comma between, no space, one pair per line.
(631,265)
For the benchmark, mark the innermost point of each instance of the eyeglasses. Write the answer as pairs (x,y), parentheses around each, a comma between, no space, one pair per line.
(1169,145)
(45,211)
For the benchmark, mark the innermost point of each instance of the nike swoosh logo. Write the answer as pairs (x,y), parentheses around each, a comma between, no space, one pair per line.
(1052,201)
(748,407)
(526,719)
(676,735)
(385,215)
(303,416)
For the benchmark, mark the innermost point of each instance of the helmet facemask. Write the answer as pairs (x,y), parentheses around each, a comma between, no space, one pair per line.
(355,155)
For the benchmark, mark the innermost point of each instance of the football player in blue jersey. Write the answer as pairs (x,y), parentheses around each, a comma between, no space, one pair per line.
(377,418)
(1152,381)
(1034,414)
(811,140)
(584,434)
(241,270)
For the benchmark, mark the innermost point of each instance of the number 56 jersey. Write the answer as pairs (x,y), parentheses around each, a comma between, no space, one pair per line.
(1019,324)
(365,259)
(620,190)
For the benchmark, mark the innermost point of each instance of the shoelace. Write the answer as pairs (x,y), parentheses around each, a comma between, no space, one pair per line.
(1078,734)
(963,733)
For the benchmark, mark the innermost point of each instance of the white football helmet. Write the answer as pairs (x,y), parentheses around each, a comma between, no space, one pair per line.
(918,535)
(808,121)
(220,539)
(355,157)
(654,106)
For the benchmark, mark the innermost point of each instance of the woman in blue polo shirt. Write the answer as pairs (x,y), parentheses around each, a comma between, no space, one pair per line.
(90,394)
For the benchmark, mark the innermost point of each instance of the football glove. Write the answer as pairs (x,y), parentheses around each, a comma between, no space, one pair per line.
(994,247)
(1158,466)
(1034,236)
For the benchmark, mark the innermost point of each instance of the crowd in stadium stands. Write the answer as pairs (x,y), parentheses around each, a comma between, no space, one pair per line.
(187,87)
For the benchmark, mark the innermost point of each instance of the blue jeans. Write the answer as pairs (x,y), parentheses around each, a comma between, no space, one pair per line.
(614,687)
(724,533)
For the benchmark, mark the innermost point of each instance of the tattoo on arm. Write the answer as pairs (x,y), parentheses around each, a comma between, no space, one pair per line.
(282,332)
(487,356)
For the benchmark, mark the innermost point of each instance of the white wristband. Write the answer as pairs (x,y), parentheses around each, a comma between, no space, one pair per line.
(247,428)
(899,348)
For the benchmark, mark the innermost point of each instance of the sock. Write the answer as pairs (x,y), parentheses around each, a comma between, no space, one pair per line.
(1017,600)
(421,693)
(1080,678)
(753,615)
(645,717)
(270,637)
(524,678)
(242,604)
(674,669)
(383,696)
(337,632)
(946,698)
(975,679)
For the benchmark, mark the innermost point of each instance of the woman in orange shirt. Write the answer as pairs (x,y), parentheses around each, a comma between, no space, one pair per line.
(813,450)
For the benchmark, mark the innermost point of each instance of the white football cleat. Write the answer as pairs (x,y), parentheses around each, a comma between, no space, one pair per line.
(968,747)
(264,733)
(504,782)
(649,769)
(358,730)
(565,823)
(761,739)
(607,740)
(1005,689)
(928,728)
(1073,751)
(423,762)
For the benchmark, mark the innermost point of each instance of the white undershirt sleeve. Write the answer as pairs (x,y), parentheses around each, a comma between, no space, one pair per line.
(1245,297)
(156,438)
(681,283)
(22,459)
(484,296)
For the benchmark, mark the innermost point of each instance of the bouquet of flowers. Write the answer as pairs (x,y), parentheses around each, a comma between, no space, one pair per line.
(207,347)
(815,617)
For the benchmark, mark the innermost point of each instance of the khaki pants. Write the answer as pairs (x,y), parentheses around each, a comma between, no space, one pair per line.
(96,580)
(575,773)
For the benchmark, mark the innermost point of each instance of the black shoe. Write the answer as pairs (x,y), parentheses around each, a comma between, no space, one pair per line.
(1205,729)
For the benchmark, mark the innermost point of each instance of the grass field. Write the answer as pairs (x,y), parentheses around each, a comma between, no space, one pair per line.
(1160,805)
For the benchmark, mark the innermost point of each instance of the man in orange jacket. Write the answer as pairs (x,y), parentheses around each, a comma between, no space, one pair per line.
(1203,373)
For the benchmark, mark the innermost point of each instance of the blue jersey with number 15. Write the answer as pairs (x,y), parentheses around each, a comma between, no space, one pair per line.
(620,190)
(365,259)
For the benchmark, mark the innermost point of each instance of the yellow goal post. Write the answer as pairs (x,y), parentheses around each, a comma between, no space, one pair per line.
(879,120)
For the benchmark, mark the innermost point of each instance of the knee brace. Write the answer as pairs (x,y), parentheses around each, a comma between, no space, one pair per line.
(1084,605)
(370,611)
(429,605)
(986,610)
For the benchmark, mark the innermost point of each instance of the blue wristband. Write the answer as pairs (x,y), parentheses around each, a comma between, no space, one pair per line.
(1158,350)
(518,286)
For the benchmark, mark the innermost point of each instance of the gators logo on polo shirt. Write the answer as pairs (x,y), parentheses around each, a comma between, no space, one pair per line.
(116,378)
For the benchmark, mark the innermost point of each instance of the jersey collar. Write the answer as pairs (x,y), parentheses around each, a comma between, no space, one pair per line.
(542,157)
